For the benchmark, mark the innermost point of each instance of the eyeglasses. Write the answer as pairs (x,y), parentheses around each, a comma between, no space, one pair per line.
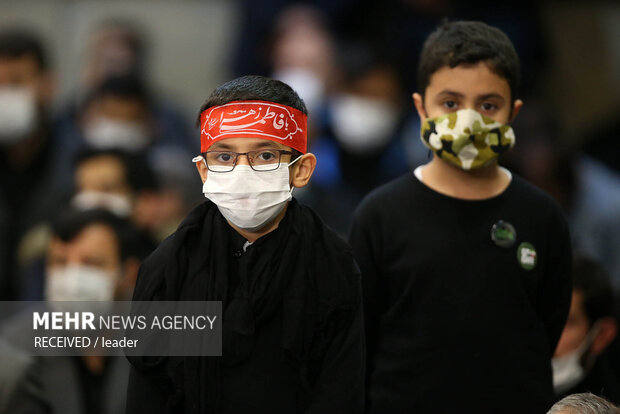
(259,160)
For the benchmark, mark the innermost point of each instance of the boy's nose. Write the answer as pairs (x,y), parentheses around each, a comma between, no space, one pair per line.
(242,159)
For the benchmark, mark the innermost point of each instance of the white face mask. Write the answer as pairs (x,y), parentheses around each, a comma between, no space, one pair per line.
(106,133)
(18,114)
(568,370)
(363,124)
(79,283)
(116,203)
(249,199)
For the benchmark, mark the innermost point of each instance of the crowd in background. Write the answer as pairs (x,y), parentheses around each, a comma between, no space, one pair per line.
(118,153)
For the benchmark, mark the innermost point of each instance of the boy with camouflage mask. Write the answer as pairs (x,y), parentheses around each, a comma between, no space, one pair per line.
(465,267)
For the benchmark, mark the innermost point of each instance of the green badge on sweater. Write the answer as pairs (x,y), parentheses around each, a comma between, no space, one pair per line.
(526,255)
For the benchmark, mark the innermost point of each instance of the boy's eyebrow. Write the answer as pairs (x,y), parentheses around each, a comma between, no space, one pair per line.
(448,92)
(221,146)
(490,96)
(266,144)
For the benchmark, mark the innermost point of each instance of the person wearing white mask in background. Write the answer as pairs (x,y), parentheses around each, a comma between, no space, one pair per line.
(117,115)
(121,113)
(27,146)
(580,362)
(120,182)
(118,47)
(358,135)
(90,257)
(126,184)
(289,286)
(302,54)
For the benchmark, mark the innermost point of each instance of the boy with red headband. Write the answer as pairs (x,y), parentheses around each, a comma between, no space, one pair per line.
(290,288)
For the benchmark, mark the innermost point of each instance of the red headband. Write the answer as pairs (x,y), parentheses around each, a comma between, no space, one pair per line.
(254,119)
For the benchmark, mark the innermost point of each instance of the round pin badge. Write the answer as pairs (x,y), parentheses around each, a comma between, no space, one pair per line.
(503,234)
(527,256)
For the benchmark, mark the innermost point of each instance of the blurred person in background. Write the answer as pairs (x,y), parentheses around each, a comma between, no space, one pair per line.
(91,257)
(116,105)
(120,182)
(580,363)
(303,55)
(254,46)
(117,114)
(120,114)
(404,24)
(126,184)
(116,47)
(14,364)
(602,143)
(358,137)
(27,145)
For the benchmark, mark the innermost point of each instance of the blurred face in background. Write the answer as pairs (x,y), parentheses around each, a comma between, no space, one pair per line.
(115,121)
(114,49)
(302,54)
(102,182)
(366,113)
(25,91)
(86,268)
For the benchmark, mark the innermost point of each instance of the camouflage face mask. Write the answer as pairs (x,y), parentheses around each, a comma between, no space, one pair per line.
(467,138)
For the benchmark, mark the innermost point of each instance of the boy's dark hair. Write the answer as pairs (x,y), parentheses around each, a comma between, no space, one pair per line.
(16,43)
(254,87)
(590,279)
(467,43)
(70,224)
(139,174)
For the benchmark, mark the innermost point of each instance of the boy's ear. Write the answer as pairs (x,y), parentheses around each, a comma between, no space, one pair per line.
(418,101)
(201,166)
(302,170)
(516,107)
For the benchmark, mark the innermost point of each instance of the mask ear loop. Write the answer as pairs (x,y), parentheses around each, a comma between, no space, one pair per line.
(199,158)
(294,161)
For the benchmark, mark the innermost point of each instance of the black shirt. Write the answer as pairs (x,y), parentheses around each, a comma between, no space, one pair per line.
(454,322)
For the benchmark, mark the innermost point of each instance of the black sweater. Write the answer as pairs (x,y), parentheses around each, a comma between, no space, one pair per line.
(293,337)
(454,323)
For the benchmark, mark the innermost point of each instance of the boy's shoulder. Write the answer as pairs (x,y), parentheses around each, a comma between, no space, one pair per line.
(533,197)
